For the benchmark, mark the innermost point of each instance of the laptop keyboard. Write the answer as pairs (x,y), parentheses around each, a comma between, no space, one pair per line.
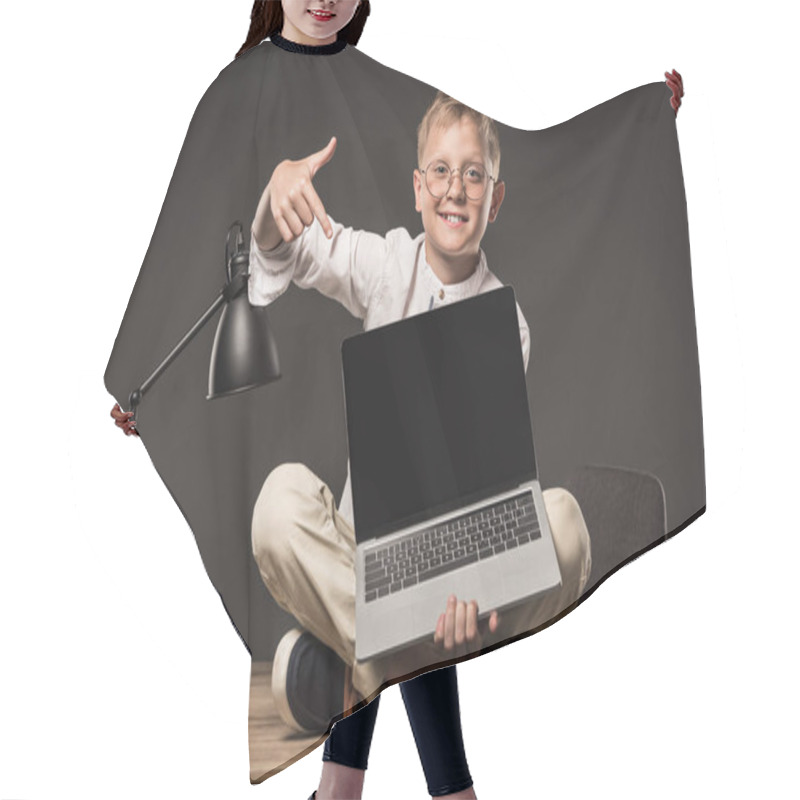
(435,551)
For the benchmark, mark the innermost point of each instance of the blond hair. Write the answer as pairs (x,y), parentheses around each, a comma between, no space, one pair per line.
(443,112)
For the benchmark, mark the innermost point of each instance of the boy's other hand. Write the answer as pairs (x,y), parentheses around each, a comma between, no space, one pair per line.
(289,203)
(458,630)
(675,83)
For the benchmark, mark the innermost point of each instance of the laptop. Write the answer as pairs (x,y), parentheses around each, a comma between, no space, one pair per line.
(445,492)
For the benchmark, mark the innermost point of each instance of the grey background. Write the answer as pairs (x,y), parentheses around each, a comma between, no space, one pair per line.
(592,235)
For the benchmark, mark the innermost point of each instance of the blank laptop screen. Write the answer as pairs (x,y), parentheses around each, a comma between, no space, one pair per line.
(437,412)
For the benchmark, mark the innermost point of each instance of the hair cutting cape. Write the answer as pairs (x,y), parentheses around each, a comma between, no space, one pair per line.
(593,238)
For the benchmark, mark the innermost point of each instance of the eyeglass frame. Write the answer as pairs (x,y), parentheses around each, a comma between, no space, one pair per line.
(461,174)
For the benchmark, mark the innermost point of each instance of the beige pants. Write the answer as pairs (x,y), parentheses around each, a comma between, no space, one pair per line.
(305,551)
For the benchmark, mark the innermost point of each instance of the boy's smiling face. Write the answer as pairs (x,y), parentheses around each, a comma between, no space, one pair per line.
(454,224)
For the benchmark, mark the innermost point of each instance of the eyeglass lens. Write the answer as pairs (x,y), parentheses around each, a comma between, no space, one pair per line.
(474,179)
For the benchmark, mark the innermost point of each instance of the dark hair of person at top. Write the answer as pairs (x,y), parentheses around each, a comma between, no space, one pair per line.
(266,19)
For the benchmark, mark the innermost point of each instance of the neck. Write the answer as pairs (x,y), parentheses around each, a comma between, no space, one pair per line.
(297,36)
(451,269)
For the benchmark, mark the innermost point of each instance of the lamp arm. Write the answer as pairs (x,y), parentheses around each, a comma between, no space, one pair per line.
(136,395)
(235,255)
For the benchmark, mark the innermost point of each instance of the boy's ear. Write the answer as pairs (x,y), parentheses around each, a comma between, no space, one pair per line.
(418,189)
(498,193)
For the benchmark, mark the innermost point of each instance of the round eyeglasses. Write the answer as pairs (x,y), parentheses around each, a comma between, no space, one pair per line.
(439,177)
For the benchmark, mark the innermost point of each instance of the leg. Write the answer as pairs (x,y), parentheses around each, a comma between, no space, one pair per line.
(573,545)
(574,553)
(346,754)
(305,553)
(434,713)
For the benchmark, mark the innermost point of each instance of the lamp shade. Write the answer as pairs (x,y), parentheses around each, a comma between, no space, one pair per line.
(244,354)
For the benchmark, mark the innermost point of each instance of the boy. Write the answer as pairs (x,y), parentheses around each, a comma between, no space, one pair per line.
(303,544)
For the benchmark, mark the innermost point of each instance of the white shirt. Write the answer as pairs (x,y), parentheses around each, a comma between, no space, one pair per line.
(377,279)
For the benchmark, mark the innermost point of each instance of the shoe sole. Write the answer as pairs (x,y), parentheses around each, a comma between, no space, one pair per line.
(280,669)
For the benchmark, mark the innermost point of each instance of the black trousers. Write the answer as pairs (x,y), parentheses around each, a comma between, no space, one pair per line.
(431,702)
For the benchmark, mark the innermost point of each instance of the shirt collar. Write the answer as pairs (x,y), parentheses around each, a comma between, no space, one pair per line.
(452,291)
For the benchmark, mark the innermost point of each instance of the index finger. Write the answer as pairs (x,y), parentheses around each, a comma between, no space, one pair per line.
(315,204)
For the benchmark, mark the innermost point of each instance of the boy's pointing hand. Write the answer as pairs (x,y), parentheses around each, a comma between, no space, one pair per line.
(290,203)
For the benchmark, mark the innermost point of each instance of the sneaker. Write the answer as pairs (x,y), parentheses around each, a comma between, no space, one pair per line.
(308,682)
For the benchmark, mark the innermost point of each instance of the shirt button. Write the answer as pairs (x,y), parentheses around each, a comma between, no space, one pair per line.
(441,294)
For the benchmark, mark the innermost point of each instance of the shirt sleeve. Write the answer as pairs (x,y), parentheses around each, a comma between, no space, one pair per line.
(347,267)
